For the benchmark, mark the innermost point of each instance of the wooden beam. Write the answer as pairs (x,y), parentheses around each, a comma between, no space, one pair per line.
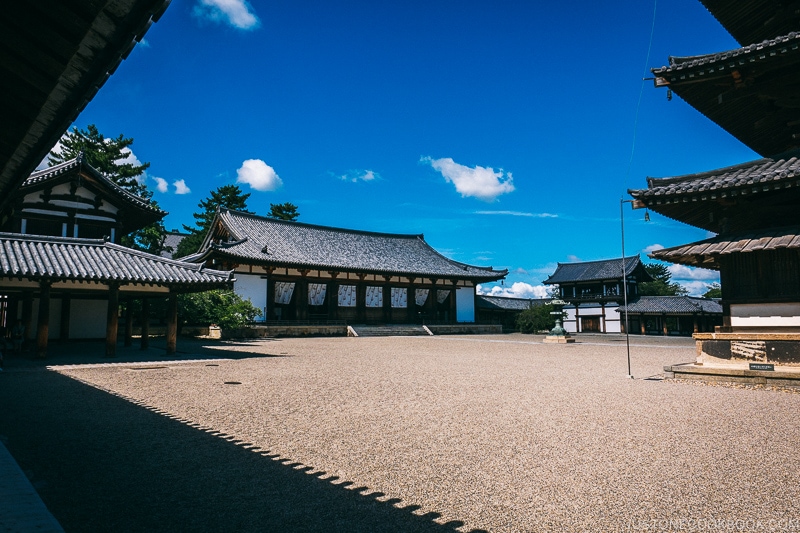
(112,320)
(172,323)
(145,320)
(43,323)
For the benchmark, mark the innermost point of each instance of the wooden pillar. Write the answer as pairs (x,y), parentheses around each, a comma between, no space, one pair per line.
(432,304)
(642,324)
(129,323)
(664,324)
(112,320)
(453,305)
(43,322)
(27,316)
(63,330)
(270,311)
(301,300)
(387,300)
(603,314)
(577,319)
(172,323)
(145,320)
(411,302)
(332,294)
(726,316)
(361,300)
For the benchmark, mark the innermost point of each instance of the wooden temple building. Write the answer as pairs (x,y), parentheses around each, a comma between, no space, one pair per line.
(308,273)
(753,92)
(61,272)
(593,290)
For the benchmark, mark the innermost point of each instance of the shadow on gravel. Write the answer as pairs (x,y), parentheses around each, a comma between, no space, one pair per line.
(101,463)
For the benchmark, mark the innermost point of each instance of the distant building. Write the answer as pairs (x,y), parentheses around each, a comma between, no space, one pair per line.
(305,272)
(504,310)
(171,243)
(594,290)
(671,315)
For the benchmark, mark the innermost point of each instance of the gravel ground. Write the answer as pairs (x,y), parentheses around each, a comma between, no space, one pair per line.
(496,433)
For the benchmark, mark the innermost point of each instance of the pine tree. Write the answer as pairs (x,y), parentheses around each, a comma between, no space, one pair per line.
(228,196)
(285,211)
(662,284)
(108,156)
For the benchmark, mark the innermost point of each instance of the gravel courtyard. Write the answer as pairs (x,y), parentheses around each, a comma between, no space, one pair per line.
(495,433)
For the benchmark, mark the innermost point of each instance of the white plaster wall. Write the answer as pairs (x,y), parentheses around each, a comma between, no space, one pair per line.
(570,324)
(254,288)
(612,326)
(465,304)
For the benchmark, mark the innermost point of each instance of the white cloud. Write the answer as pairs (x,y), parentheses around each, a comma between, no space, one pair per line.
(161,184)
(237,13)
(695,288)
(259,175)
(144,43)
(518,289)
(681,272)
(653,248)
(576,259)
(479,182)
(360,175)
(517,214)
(181,187)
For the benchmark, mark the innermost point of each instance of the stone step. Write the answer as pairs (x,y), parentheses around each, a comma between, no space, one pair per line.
(390,331)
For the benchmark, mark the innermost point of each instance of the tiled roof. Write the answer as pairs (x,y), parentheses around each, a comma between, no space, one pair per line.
(172,240)
(79,164)
(65,259)
(606,269)
(761,175)
(721,63)
(751,21)
(281,243)
(509,304)
(676,305)
(705,253)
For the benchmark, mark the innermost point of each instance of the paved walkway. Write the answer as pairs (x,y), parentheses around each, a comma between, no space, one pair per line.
(21,509)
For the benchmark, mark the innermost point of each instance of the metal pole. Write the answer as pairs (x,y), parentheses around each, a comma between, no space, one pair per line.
(625,285)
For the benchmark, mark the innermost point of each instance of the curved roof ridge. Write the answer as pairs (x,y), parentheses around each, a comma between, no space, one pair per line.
(80,161)
(320,226)
(49,238)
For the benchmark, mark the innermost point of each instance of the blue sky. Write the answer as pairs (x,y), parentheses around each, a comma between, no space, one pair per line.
(502,131)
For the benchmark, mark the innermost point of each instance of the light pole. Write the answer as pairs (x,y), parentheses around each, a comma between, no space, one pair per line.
(625,282)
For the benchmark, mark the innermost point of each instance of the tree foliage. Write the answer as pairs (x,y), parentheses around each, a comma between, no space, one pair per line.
(536,318)
(284,211)
(222,307)
(714,291)
(111,157)
(228,196)
(662,284)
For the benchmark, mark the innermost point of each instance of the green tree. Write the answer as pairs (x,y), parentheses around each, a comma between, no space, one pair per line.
(284,211)
(228,196)
(662,284)
(536,318)
(222,307)
(714,291)
(109,155)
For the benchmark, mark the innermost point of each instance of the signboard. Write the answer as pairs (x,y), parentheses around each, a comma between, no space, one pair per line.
(762,366)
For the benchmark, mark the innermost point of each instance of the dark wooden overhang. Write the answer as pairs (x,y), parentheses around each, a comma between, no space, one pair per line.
(753,21)
(706,253)
(753,92)
(758,194)
(54,56)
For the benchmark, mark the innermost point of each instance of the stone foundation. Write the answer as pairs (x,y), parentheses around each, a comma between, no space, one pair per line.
(720,348)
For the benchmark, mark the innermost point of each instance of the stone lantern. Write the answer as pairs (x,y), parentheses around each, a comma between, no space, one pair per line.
(558,335)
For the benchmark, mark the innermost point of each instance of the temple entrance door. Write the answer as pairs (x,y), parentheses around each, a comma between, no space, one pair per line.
(590,323)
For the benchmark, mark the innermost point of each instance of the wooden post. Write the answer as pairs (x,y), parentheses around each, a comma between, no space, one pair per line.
(43,323)
(172,323)
(112,320)
(642,324)
(411,302)
(301,299)
(270,311)
(128,323)
(332,294)
(664,324)
(63,332)
(145,339)
(387,300)
(361,300)
(27,316)
(453,303)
